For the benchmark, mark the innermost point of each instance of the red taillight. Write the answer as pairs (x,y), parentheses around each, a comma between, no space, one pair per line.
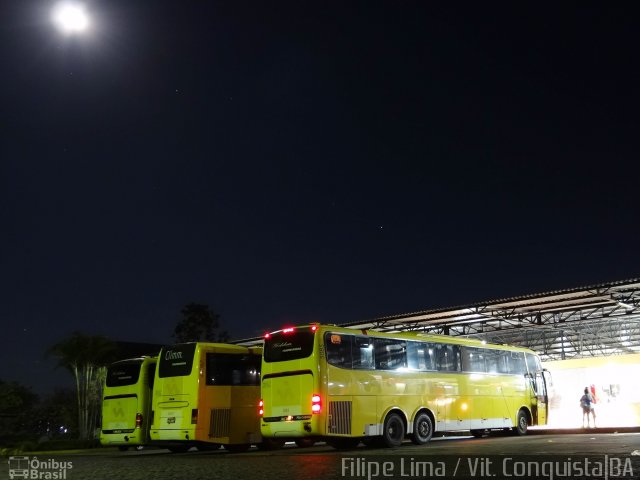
(288,330)
(194,416)
(314,328)
(316,404)
(267,335)
(138,420)
(261,408)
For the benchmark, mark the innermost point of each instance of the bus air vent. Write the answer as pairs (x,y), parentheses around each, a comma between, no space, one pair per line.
(220,422)
(340,417)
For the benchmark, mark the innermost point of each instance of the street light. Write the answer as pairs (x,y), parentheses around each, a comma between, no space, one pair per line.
(70,18)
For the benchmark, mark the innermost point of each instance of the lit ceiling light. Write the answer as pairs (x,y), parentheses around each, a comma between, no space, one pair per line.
(70,18)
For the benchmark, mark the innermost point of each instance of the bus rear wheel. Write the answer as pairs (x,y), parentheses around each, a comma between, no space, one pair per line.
(422,429)
(394,431)
(521,423)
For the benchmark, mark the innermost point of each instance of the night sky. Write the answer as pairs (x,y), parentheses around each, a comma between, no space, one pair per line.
(306,161)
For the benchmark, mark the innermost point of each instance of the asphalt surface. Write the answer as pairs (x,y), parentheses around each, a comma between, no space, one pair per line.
(577,455)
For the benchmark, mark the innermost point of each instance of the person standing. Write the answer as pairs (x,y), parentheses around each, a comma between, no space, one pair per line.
(588,410)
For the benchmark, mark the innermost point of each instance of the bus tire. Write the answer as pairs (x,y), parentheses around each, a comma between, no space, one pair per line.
(521,424)
(123,448)
(393,432)
(422,429)
(479,433)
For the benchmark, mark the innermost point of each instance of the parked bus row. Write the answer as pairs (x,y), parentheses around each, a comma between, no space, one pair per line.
(322,383)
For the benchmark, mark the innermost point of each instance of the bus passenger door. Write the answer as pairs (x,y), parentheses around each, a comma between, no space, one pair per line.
(540,386)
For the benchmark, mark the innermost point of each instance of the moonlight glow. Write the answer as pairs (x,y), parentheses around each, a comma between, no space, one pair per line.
(70,18)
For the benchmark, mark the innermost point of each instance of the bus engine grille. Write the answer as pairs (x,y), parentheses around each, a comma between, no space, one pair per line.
(340,417)
(220,425)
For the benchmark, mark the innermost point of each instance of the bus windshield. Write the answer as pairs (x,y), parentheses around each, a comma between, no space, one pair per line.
(177,360)
(122,374)
(283,346)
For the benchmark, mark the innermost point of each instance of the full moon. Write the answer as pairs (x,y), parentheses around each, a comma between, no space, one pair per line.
(70,18)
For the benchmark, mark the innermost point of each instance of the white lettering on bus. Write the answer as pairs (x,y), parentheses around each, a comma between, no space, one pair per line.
(171,355)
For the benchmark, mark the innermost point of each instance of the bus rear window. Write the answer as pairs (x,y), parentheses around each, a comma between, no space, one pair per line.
(122,374)
(176,360)
(281,347)
(233,369)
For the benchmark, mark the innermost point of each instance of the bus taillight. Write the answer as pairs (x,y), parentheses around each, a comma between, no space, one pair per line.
(288,330)
(138,420)
(261,408)
(314,328)
(194,416)
(316,404)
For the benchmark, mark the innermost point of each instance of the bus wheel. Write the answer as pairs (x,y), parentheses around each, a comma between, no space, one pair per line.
(305,442)
(479,433)
(394,431)
(521,423)
(179,448)
(422,429)
(237,448)
(123,448)
(343,443)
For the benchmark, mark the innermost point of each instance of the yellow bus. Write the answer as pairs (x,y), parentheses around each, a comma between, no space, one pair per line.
(206,395)
(345,386)
(126,403)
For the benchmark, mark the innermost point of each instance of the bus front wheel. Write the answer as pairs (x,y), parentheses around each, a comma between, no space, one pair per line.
(394,430)
(521,423)
(422,429)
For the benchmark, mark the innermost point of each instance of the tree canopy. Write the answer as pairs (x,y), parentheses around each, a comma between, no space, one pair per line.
(86,358)
(199,323)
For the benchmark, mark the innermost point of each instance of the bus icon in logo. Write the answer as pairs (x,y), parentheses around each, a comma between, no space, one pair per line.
(18,467)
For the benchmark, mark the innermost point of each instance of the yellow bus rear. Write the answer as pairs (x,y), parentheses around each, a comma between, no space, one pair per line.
(206,395)
(346,386)
(126,403)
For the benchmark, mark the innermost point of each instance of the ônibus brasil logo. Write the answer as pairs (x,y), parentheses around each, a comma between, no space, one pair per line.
(49,469)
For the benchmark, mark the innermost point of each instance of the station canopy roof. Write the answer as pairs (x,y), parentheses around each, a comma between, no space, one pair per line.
(598,320)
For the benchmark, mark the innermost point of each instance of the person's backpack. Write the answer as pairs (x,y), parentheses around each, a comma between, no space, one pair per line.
(585,401)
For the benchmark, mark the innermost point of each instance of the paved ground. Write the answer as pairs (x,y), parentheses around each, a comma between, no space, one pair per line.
(493,457)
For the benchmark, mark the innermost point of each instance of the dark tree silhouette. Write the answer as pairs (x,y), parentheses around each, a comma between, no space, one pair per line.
(86,357)
(199,324)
